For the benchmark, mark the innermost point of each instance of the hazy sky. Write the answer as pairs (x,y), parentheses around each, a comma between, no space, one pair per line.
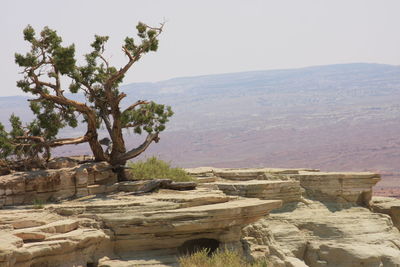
(207,37)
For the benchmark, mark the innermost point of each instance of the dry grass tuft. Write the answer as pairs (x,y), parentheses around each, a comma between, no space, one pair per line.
(221,258)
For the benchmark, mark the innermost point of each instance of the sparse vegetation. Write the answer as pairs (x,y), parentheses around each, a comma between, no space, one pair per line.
(221,258)
(51,71)
(38,204)
(157,168)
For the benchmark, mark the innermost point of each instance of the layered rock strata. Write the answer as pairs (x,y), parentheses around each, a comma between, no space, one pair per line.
(291,184)
(324,220)
(42,238)
(287,191)
(320,234)
(56,184)
(112,228)
(341,187)
(257,173)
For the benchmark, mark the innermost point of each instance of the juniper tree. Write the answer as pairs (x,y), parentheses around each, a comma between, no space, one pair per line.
(45,67)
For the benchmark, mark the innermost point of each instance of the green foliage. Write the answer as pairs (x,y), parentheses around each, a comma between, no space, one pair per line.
(6,147)
(29,33)
(48,121)
(16,144)
(16,125)
(29,60)
(64,60)
(220,258)
(49,40)
(150,117)
(48,65)
(99,42)
(38,204)
(155,168)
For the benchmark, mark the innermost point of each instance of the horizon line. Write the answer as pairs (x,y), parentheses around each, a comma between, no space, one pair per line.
(235,72)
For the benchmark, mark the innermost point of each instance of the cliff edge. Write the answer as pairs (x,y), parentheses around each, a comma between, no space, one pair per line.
(78,215)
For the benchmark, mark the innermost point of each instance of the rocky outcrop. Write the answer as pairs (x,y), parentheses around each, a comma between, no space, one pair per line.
(53,185)
(321,234)
(257,173)
(289,185)
(287,191)
(341,187)
(221,222)
(135,220)
(42,238)
(389,206)
(112,228)
(62,162)
(325,219)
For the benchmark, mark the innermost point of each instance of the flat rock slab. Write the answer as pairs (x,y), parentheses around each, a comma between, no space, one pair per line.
(182,186)
(389,206)
(146,186)
(210,179)
(255,173)
(351,187)
(336,175)
(227,214)
(171,228)
(287,191)
(201,170)
(150,259)
(126,202)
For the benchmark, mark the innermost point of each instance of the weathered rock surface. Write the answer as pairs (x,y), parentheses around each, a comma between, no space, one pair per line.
(325,220)
(156,258)
(287,191)
(343,187)
(51,185)
(389,206)
(146,186)
(96,229)
(43,238)
(290,184)
(318,234)
(62,162)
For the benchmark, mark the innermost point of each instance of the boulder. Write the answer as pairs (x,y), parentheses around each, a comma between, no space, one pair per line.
(389,206)
(328,234)
(340,187)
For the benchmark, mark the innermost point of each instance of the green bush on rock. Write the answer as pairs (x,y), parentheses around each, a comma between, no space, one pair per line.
(156,168)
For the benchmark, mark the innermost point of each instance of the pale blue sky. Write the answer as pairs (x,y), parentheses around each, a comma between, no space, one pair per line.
(208,37)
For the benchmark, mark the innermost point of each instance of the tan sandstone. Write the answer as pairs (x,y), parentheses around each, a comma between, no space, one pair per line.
(325,219)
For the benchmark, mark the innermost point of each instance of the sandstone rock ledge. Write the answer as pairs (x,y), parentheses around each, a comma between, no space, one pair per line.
(114,228)
(321,234)
(293,217)
(389,206)
(290,185)
(326,219)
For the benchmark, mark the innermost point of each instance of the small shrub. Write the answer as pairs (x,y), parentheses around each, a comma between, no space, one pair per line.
(218,259)
(196,259)
(156,168)
(38,204)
